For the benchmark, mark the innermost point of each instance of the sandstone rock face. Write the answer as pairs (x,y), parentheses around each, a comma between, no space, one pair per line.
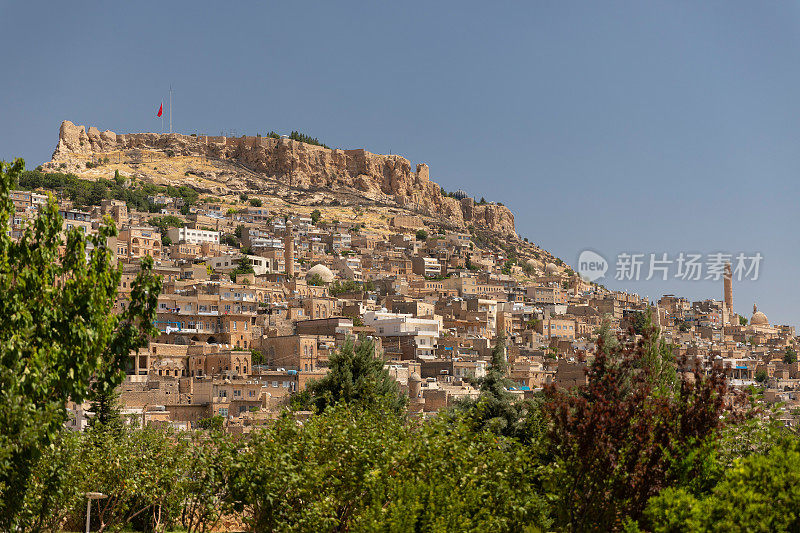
(306,166)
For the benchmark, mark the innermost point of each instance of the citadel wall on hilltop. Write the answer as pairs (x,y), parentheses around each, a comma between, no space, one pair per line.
(302,165)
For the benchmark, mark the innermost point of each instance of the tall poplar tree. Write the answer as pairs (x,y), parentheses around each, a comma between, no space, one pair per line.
(59,339)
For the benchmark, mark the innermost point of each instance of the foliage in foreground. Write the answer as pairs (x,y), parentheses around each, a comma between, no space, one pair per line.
(368,471)
(638,447)
(760,492)
(59,339)
(154,479)
(630,432)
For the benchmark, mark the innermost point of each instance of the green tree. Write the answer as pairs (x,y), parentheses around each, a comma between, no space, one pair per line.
(639,320)
(627,434)
(742,321)
(315,476)
(422,235)
(357,376)
(141,470)
(214,423)
(316,280)
(59,338)
(790,356)
(105,406)
(482,482)
(206,482)
(257,358)
(315,216)
(244,267)
(497,410)
(761,375)
(757,493)
(51,493)
(255,202)
(297,136)
(351,469)
(163,223)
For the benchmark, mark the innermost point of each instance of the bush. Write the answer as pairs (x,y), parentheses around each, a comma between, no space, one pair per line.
(255,202)
(759,493)
(214,423)
(84,192)
(163,223)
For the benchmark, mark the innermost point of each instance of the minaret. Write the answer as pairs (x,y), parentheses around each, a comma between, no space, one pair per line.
(727,281)
(288,250)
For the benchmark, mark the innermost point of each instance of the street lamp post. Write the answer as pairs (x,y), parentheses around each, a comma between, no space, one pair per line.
(89,497)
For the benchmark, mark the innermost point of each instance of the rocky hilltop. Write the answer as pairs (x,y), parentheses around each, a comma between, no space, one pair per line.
(299,165)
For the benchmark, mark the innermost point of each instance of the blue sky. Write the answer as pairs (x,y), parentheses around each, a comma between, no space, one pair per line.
(615,126)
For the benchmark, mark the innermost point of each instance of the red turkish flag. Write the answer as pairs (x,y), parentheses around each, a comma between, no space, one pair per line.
(160,109)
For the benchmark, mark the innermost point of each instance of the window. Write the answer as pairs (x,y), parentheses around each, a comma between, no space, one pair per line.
(223,411)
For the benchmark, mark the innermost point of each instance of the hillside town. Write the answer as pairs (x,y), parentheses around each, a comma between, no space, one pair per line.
(255,300)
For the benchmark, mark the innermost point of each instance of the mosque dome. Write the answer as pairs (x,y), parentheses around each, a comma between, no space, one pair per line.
(324,273)
(551,268)
(759,318)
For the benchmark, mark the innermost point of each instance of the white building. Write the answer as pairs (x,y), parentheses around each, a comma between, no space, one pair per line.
(228,263)
(425,331)
(193,236)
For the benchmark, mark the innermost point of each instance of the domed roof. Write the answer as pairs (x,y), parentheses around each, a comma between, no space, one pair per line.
(551,268)
(323,271)
(759,318)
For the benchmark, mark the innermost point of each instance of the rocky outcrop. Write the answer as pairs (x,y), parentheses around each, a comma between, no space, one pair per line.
(384,177)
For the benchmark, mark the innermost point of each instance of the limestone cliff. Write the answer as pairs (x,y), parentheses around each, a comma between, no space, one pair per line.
(303,166)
